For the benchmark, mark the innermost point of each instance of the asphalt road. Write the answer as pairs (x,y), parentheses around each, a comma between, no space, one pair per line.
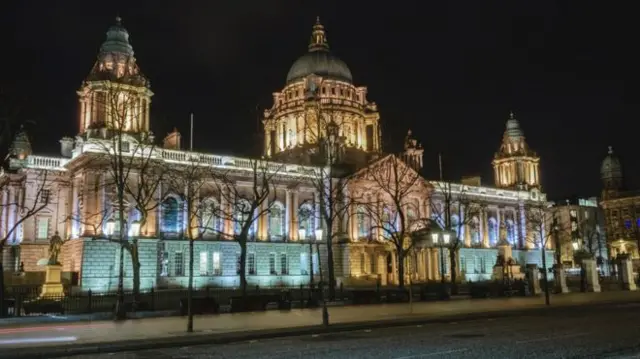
(612,332)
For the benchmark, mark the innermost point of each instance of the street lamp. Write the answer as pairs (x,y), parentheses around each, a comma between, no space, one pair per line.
(302,234)
(318,234)
(325,311)
(441,241)
(110,227)
(135,228)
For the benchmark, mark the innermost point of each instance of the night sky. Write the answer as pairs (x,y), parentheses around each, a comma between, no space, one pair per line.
(450,72)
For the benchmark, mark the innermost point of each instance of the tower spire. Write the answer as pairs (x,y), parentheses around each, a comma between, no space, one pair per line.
(318,38)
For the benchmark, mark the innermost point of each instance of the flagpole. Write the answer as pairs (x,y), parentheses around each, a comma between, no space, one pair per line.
(440,165)
(191,135)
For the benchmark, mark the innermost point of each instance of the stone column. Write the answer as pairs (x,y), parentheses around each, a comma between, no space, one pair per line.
(485,230)
(626,273)
(532,278)
(591,274)
(560,279)
(317,221)
(294,214)
(467,235)
(287,214)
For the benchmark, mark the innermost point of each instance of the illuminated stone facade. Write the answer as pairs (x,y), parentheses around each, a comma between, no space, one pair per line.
(319,100)
(621,209)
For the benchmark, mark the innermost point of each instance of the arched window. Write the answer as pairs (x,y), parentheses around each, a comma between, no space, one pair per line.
(411,219)
(437,214)
(362,220)
(276,220)
(210,223)
(171,215)
(243,215)
(387,224)
(133,215)
(306,220)
(511,232)
(475,231)
(455,224)
(493,232)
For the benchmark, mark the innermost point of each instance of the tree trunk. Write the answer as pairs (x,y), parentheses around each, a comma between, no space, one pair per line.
(545,276)
(3,308)
(135,265)
(330,269)
(400,263)
(454,274)
(243,267)
(190,289)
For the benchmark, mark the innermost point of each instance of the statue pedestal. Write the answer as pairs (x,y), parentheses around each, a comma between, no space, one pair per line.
(52,286)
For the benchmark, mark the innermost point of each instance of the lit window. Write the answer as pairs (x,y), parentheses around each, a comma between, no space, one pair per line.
(203,263)
(304,263)
(43,228)
(251,259)
(217,269)
(276,220)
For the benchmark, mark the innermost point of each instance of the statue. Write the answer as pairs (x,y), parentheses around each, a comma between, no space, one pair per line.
(503,232)
(55,245)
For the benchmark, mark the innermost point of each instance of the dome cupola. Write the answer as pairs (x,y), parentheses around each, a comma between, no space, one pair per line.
(319,60)
(611,171)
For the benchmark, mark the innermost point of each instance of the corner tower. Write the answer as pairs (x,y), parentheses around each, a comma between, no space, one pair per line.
(515,165)
(611,175)
(115,95)
(319,91)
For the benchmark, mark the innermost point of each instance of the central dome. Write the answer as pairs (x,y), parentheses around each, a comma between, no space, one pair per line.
(319,60)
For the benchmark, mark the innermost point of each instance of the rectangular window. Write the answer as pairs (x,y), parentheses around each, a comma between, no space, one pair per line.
(124,147)
(463,264)
(272,263)
(284,264)
(43,228)
(251,259)
(372,263)
(304,264)
(483,265)
(45,195)
(217,268)
(238,266)
(203,263)
(363,264)
(316,264)
(178,259)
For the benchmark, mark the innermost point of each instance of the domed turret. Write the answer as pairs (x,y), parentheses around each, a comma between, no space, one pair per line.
(515,165)
(319,60)
(611,171)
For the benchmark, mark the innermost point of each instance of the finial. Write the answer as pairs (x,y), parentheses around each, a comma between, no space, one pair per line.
(409,132)
(118,20)
(610,150)
(511,115)
(318,37)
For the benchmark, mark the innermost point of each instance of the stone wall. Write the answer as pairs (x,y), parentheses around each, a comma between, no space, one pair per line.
(100,265)
(31,253)
(476,264)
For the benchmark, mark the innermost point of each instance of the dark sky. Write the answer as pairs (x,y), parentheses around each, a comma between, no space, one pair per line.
(451,71)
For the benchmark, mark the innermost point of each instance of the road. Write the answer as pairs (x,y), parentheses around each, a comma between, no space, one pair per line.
(605,333)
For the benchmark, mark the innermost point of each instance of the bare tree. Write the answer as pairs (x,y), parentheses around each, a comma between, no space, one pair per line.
(243,204)
(131,174)
(543,226)
(24,204)
(187,181)
(395,211)
(457,211)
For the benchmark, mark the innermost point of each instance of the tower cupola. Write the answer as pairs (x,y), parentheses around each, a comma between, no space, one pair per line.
(515,165)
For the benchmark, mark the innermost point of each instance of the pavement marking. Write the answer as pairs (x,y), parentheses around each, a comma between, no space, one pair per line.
(433,354)
(367,330)
(315,335)
(37,340)
(419,326)
(252,341)
(453,323)
(550,338)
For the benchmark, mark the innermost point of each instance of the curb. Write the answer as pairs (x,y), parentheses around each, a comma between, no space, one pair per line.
(208,338)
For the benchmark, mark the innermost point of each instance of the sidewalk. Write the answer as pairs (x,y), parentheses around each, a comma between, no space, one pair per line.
(98,336)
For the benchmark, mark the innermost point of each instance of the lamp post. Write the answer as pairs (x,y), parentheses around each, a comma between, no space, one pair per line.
(325,311)
(441,240)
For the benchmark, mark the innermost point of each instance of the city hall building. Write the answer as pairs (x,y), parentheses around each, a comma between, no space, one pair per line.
(287,246)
